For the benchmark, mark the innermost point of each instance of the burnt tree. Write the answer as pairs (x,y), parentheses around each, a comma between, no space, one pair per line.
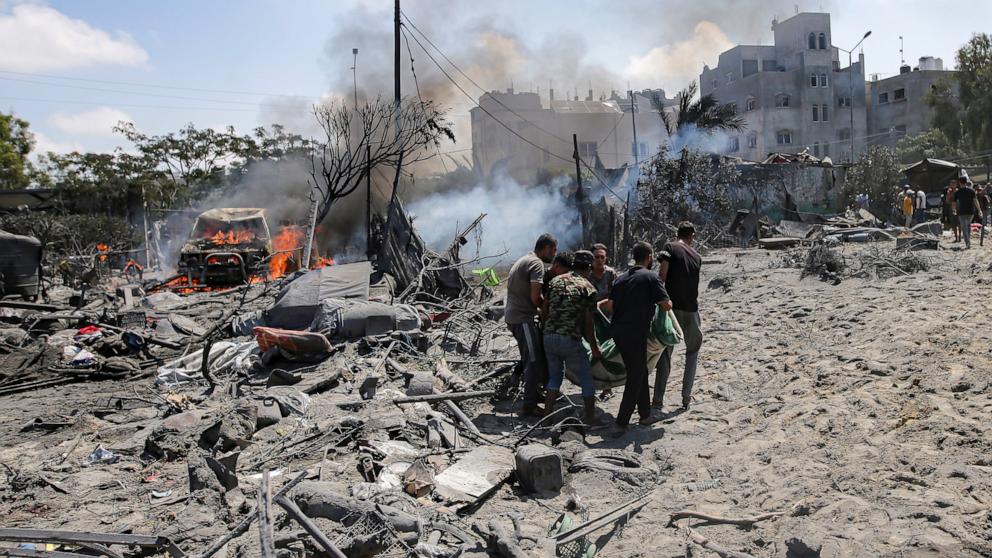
(394,135)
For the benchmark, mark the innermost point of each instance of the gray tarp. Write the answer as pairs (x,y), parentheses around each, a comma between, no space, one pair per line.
(296,306)
(354,319)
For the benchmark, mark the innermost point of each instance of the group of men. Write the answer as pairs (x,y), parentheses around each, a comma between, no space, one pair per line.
(551,302)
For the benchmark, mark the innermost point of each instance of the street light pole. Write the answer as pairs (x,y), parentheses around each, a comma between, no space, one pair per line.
(850,82)
(354,74)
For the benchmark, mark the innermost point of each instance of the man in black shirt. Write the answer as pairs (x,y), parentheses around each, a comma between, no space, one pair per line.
(966,201)
(679,265)
(633,298)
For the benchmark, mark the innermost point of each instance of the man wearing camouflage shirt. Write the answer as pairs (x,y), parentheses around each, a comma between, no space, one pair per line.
(569,306)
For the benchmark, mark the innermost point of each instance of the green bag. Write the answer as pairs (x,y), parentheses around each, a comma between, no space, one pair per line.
(487,276)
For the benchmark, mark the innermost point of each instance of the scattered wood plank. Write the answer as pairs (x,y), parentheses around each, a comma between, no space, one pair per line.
(265,530)
(444,396)
(741,521)
(297,514)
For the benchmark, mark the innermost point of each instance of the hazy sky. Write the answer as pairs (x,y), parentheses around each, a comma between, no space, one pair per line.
(74,68)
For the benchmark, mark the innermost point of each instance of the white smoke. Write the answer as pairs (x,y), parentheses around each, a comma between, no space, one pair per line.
(515,216)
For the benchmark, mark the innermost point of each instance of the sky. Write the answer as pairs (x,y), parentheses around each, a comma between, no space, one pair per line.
(73,69)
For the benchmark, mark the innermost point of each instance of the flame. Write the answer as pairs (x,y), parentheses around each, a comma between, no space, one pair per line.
(103,249)
(233,237)
(288,247)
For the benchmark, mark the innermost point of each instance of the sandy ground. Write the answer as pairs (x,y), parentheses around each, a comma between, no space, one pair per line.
(860,411)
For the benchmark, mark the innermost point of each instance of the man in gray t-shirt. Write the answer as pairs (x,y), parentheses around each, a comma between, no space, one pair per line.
(523,301)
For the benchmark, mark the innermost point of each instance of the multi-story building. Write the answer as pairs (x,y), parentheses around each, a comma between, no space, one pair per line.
(794,95)
(897,105)
(541,136)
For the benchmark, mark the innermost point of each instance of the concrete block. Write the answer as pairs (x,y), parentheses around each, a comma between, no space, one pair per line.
(420,384)
(268,413)
(539,468)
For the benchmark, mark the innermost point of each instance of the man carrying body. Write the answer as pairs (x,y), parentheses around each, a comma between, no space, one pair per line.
(633,298)
(679,265)
(966,202)
(523,300)
(602,276)
(569,307)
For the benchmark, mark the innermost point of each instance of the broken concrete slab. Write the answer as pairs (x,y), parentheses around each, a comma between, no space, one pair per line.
(474,473)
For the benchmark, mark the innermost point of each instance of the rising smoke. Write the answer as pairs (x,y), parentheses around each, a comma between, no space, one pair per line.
(515,215)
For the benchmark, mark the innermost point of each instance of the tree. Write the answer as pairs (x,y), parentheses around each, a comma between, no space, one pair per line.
(393,134)
(705,114)
(974,76)
(192,161)
(875,173)
(932,144)
(16,142)
(686,185)
(946,111)
(102,182)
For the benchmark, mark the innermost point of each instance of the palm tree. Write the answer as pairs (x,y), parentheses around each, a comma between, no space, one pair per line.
(705,113)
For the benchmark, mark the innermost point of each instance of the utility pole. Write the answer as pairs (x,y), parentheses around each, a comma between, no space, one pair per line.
(368,202)
(850,71)
(396,53)
(579,193)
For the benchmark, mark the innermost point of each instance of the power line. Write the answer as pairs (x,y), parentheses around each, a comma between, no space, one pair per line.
(151,85)
(133,105)
(138,93)
(416,83)
(479,87)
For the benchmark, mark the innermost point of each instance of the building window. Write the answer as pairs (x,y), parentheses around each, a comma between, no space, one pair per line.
(826,150)
(816,113)
(714,83)
(731,77)
(824,113)
(844,135)
(816,149)
(823,41)
(898,94)
(900,130)
(883,98)
(732,107)
(769,65)
(812,41)
(734,145)
(784,137)
(813,81)
(750,104)
(587,149)
(782,100)
(823,80)
(752,140)
(843,102)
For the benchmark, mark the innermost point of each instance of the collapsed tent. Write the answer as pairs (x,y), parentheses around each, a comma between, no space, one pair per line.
(609,371)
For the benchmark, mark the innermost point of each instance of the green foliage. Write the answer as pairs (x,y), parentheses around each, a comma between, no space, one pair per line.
(705,114)
(16,142)
(875,173)
(687,185)
(933,144)
(942,100)
(975,82)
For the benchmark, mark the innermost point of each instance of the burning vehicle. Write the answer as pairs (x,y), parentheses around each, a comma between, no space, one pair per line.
(226,246)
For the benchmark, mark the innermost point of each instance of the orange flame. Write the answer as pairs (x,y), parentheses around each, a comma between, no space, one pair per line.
(103,249)
(287,245)
(233,237)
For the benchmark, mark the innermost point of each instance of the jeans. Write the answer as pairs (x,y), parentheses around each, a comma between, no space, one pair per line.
(567,352)
(532,360)
(965,222)
(920,216)
(633,348)
(690,324)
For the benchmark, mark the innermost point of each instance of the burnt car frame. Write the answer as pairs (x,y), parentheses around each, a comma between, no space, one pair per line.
(226,246)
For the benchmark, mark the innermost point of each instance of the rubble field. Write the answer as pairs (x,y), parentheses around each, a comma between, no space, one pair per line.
(844,414)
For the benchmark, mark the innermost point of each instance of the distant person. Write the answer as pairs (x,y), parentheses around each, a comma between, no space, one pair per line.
(523,301)
(947,209)
(862,200)
(678,267)
(603,275)
(908,204)
(985,202)
(921,207)
(569,309)
(966,201)
(633,299)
